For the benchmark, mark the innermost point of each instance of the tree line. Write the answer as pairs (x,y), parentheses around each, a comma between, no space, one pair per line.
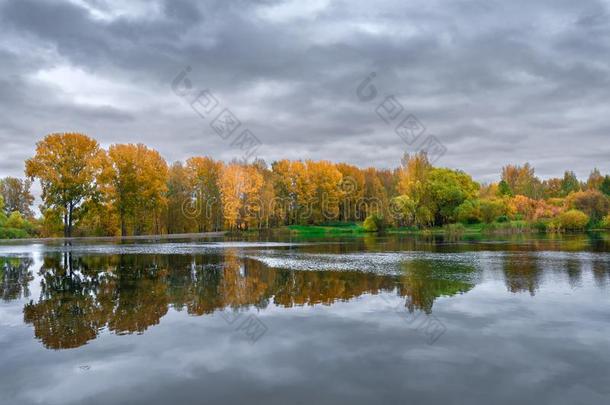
(130,189)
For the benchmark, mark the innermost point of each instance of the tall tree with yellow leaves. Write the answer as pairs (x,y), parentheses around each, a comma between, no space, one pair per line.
(352,188)
(326,192)
(136,186)
(179,192)
(240,186)
(205,206)
(68,166)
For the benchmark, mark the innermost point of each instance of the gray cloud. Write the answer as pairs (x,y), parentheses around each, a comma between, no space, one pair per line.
(497,82)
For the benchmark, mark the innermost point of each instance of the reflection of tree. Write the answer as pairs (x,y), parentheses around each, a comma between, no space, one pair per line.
(574,270)
(424,281)
(80,296)
(67,314)
(15,277)
(128,294)
(140,298)
(292,288)
(522,273)
(241,284)
(601,273)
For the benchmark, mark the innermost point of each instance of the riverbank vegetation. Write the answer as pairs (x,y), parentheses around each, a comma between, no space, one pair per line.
(131,190)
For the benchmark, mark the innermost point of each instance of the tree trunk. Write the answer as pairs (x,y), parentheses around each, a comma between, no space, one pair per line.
(66,223)
(70,210)
(123,227)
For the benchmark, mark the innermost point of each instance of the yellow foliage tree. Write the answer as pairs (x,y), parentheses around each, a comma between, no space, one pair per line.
(206,206)
(239,188)
(68,166)
(136,179)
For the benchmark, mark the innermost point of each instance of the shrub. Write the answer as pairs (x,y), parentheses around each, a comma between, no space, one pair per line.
(502,219)
(591,202)
(491,209)
(507,228)
(12,233)
(15,220)
(542,225)
(468,212)
(524,207)
(374,223)
(454,229)
(572,220)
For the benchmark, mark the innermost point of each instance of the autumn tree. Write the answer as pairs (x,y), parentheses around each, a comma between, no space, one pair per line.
(592,202)
(375,196)
(522,180)
(268,215)
(293,190)
(595,180)
(552,187)
(285,189)
(325,185)
(413,175)
(389,180)
(68,166)
(205,207)
(178,192)
(136,185)
(239,187)
(352,187)
(17,196)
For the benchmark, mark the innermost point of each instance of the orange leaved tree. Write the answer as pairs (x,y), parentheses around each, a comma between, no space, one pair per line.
(68,166)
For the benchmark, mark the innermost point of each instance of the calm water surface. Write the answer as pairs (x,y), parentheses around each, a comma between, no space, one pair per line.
(288,321)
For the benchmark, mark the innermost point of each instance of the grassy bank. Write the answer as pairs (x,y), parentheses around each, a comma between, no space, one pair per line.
(331,228)
(494,228)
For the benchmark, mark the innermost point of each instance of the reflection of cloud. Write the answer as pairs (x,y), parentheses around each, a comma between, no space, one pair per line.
(359,346)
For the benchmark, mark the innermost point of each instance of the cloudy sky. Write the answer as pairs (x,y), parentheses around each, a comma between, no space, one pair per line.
(495,81)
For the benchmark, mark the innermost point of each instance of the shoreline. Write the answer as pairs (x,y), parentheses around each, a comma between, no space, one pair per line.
(119,238)
(311,230)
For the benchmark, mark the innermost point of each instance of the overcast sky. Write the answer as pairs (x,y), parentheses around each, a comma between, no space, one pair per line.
(495,81)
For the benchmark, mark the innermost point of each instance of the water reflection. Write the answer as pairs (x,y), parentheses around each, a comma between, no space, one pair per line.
(422,283)
(523,274)
(15,277)
(80,296)
(83,294)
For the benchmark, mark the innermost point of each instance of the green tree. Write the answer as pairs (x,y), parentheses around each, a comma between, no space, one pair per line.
(570,183)
(374,223)
(605,185)
(15,220)
(448,189)
(491,210)
(504,189)
(469,212)
(404,210)
(3,217)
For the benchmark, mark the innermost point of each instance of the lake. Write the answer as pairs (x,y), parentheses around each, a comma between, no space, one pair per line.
(294,320)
